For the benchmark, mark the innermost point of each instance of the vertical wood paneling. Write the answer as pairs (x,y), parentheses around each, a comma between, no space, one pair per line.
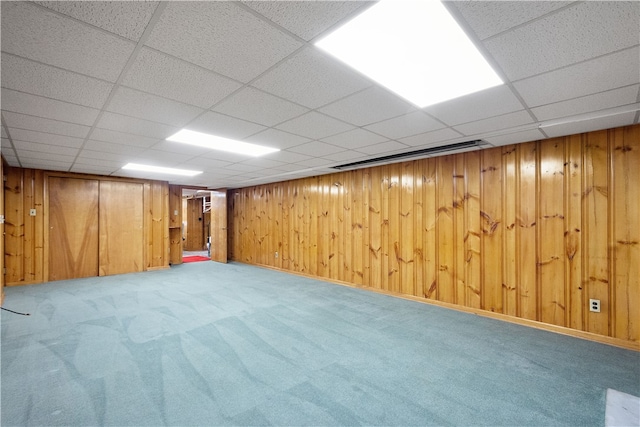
(219,235)
(175,224)
(510,206)
(418,228)
(625,151)
(121,219)
(386,183)
(445,238)
(430,218)
(375,228)
(492,227)
(394,231)
(527,230)
(551,261)
(531,230)
(2,275)
(357,221)
(73,228)
(596,209)
(459,207)
(156,199)
(406,259)
(473,233)
(576,303)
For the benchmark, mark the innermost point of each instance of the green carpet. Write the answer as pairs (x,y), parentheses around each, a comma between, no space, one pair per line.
(212,344)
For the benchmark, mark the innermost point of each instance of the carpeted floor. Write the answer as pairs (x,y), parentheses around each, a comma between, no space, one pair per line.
(214,344)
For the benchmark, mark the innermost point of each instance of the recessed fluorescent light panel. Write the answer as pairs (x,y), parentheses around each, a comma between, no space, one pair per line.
(218,143)
(414,48)
(159,169)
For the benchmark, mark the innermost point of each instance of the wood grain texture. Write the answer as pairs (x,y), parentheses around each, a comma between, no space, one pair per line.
(175,224)
(73,228)
(195,225)
(121,227)
(219,226)
(2,274)
(531,230)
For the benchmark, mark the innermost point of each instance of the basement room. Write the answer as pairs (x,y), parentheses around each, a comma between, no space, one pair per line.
(320,213)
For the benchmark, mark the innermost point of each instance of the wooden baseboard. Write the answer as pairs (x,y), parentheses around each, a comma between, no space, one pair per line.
(164,267)
(616,342)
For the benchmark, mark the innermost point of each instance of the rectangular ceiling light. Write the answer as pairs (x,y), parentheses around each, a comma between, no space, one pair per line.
(159,169)
(415,49)
(214,142)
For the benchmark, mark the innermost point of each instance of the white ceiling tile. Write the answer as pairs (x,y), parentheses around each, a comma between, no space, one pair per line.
(431,138)
(224,156)
(346,156)
(45,138)
(609,122)
(4,133)
(19,102)
(603,28)
(508,120)
(126,124)
(477,106)
(259,107)
(277,139)
(125,18)
(287,156)
(204,163)
(585,104)
(44,148)
(307,19)
(369,106)
(122,138)
(176,147)
(515,138)
(406,125)
(110,147)
(225,126)
(488,18)
(311,78)
(150,107)
(45,164)
(315,162)
(355,138)
(384,147)
(89,156)
(26,155)
(598,75)
(22,121)
(262,162)
(35,33)
(160,158)
(316,148)
(222,37)
(50,82)
(315,126)
(172,78)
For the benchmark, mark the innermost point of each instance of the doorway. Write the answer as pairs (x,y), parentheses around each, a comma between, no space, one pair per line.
(196,222)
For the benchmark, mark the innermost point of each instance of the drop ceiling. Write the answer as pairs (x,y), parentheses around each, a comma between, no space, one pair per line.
(90,86)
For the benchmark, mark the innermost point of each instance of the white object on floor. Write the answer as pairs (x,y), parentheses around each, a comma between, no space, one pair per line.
(622,409)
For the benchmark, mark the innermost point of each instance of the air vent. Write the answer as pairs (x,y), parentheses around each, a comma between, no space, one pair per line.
(425,152)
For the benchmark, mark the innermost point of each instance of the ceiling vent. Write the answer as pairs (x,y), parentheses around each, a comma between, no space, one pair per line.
(425,152)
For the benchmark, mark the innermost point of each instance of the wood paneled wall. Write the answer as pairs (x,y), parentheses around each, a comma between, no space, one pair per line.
(531,230)
(26,248)
(2,234)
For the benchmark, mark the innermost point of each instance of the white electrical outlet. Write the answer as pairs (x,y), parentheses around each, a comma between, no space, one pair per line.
(594,305)
(276,254)
(32,212)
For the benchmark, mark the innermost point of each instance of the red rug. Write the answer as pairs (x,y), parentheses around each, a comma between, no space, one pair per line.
(195,258)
